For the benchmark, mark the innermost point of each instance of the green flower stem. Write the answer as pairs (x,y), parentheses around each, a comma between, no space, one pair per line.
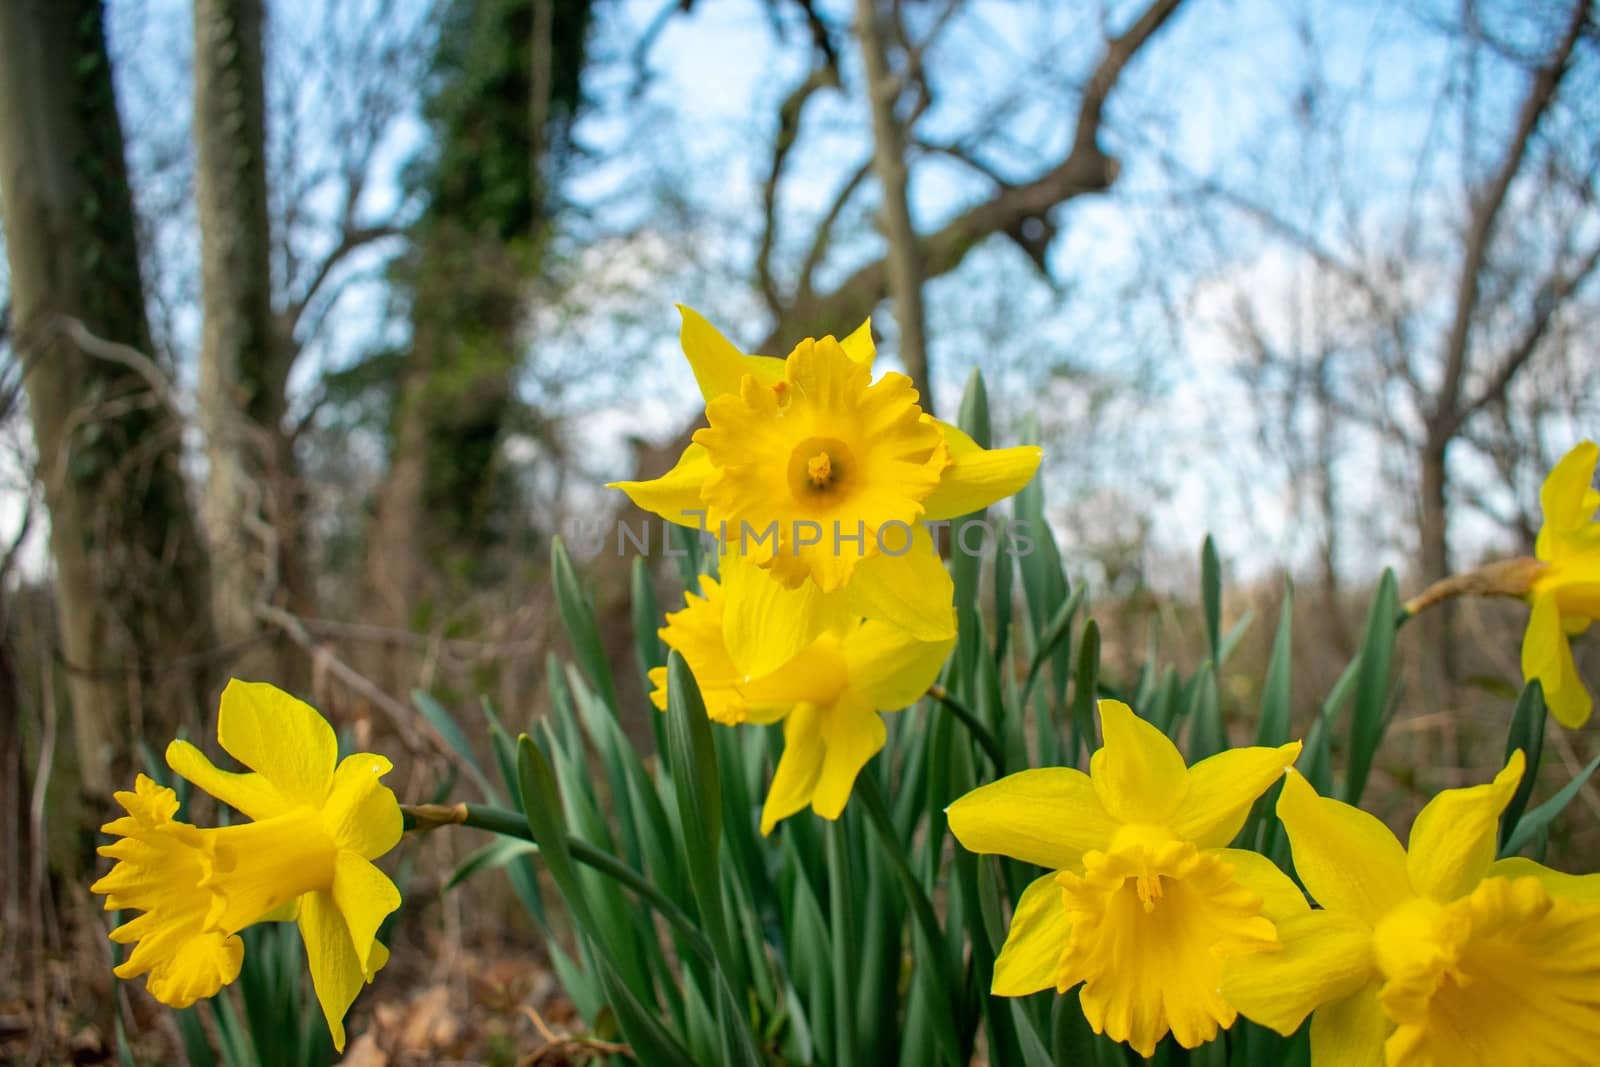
(841,898)
(974,725)
(514,824)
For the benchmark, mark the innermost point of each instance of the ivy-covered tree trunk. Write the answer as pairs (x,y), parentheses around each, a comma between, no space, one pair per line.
(132,579)
(248,504)
(506,87)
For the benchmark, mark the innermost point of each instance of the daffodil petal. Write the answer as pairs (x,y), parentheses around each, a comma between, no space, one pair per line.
(1222,789)
(1280,897)
(1565,498)
(336,971)
(852,733)
(1581,887)
(977,476)
(362,814)
(1049,816)
(766,624)
(795,780)
(1324,956)
(858,344)
(816,676)
(718,366)
(1350,1031)
(1138,772)
(675,496)
(249,793)
(285,740)
(1037,937)
(365,897)
(697,633)
(912,590)
(1453,839)
(1547,656)
(1347,860)
(889,667)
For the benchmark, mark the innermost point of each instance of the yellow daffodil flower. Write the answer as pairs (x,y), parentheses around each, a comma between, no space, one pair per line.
(306,854)
(1436,956)
(1566,591)
(828,697)
(1144,901)
(817,478)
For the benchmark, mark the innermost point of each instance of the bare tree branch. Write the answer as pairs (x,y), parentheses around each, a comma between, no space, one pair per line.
(351,240)
(1546,80)
(823,237)
(822,76)
(904,266)
(1085,169)
(1550,297)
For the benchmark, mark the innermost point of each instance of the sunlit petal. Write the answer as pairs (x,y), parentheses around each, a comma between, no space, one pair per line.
(675,496)
(795,780)
(283,739)
(1324,956)
(1453,839)
(977,476)
(249,792)
(361,813)
(891,668)
(1035,941)
(1223,788)
(1138,772)
(1547,656)
(1349,1032)
(852,733)
(1347,859)
(1049,816)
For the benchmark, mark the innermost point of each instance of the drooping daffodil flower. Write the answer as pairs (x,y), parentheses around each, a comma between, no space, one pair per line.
(829,697)
(315,825)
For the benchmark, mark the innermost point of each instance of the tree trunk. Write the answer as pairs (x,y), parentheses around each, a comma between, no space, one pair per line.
(889,160)
(250,488)
(132,582)
(1434,530)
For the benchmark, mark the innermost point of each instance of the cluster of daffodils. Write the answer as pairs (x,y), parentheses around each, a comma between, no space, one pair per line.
(833,604)
(1437,956)
(314,825)
(829,608)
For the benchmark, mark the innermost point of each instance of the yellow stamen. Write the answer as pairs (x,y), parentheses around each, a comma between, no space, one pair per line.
(819,468)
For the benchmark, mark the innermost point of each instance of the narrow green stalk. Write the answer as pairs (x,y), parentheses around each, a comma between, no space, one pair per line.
(514,824)
(974,725)
(841,901)
(931,942)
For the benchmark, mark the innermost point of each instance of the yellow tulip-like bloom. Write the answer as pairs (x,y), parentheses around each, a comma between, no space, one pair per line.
(816,478)
(828,696)
(1436,956)
(1566,592)
(306,854)
(1144,902)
